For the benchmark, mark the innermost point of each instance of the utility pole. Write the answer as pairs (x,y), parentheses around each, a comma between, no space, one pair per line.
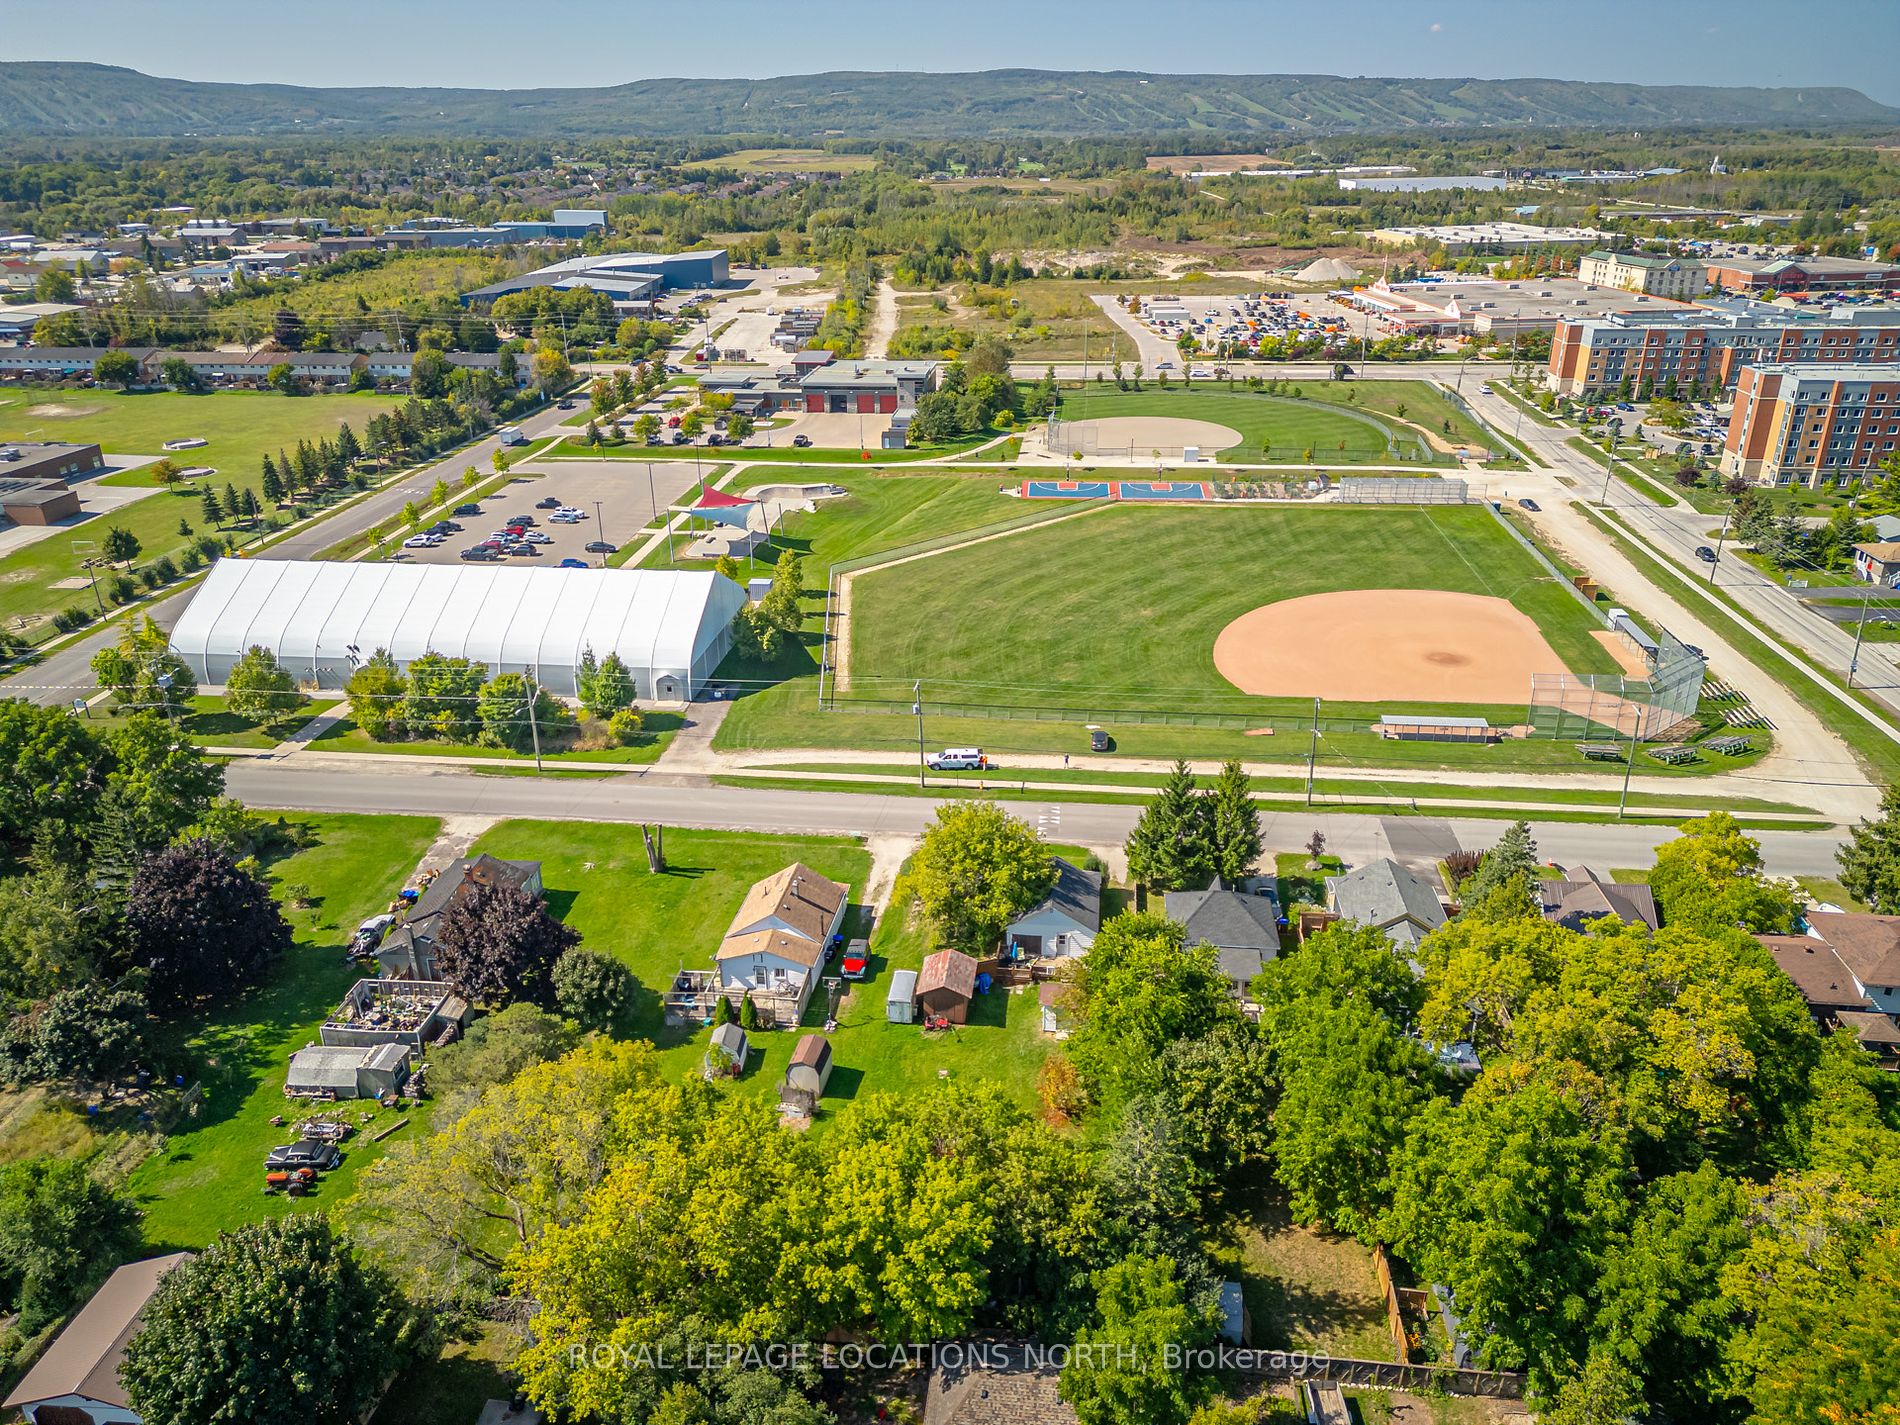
(917,692)
(1312,753)
(1860,632)
(600,524)
(534,724)
(1719,540)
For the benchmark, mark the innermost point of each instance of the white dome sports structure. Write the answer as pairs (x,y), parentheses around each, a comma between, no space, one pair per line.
(323,621)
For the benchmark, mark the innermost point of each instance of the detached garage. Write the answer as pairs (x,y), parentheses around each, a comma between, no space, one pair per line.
(323,621)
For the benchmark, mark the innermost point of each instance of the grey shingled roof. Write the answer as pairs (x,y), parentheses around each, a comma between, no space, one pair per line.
(1383,893)
(1242,928)
(1076,894)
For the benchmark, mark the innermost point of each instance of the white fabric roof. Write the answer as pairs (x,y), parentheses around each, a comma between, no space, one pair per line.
(510,618)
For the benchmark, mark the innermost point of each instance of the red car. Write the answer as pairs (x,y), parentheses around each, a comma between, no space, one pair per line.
(856,964)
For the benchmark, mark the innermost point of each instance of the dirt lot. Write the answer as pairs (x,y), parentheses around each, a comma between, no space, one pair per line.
(613,494)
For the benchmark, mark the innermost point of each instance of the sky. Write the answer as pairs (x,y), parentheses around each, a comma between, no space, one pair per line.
(512,44)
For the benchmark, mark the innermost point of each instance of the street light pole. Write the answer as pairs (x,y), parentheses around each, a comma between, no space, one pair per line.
(1860,632)
(534,724)
(1636,726)
(1719,540)
(600,523)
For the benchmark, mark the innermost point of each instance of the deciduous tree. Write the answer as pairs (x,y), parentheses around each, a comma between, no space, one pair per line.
(199,925)
(260,687)
(977,869)
(275,1323)
(496,944)
(61,1231)
(1130,1373)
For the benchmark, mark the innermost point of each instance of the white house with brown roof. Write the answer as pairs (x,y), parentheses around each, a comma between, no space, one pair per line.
(774,949)
(77,1381)
(1847,969)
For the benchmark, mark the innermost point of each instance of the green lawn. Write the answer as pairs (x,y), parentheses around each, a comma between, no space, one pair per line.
(1291,426)
(210,723)
(240,426)
(344,735)
(209,1176)
(660,924)
(1099,611)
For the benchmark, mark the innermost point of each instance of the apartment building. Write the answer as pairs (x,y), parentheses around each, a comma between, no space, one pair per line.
(1659,276)
(1812,423)
(1710,345)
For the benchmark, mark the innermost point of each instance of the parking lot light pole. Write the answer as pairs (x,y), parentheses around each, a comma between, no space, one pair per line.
(600,524)
(1719,539)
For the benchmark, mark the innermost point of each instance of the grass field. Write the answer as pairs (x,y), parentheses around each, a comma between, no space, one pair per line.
(239,426)
(345,736)
(1069,615)
(209,1176)
(790,160)
(1271,428)
(597,882)
(210,723)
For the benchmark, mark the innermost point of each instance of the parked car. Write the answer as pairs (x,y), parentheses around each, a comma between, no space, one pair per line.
(522,519)
(857,960)
(1098,739)
(1530,505)
(481,552)
(566,405)
(572,564)
(534,536)
(558,518)
(521,547)
(801,441)
(573,510)
(600,546)
(1705,554)
(422,541)
(463,512)
(957,759)
(550,503)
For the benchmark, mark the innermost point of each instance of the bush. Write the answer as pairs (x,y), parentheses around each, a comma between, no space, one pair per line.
(150,577)
(167,570)
(626,727)
(66,620)
(191,560)
(595,991)
(122,589)
(748,1015)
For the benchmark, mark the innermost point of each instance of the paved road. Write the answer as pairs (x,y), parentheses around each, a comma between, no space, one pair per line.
(338,784)
(63,675)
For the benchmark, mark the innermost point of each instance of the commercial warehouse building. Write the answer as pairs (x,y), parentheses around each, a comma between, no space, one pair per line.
(1710,344)
(1803,274)
(630,278)
(323,621)
(1812,424)
(1500,310)
(1490,237)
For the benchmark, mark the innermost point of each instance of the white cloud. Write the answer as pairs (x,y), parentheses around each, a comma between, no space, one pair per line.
(1437,28)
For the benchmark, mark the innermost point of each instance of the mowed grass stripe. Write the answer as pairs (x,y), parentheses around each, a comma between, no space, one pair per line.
(1127,604)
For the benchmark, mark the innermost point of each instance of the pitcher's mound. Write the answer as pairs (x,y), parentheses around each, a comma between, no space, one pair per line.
(1137,436)
(1386,646)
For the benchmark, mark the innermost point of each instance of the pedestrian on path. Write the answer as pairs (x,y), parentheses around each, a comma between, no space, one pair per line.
(1065,759)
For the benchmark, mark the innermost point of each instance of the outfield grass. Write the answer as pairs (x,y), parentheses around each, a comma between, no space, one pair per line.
(240,426)
(209,1176)
(1292,427)
(1101,612)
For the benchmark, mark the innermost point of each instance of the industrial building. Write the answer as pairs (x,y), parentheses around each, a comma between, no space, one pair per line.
(323,621)
(1659,276)
(1812,423)
(1710,344)
(630,278)
(1803,274)
(818,382)
(1490,237)
(1500,310)
(49,460)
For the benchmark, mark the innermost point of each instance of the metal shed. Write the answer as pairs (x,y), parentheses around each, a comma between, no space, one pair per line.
(347,1071)
(900,1005)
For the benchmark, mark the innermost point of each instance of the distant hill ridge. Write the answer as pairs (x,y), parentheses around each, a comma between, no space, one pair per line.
(49,98)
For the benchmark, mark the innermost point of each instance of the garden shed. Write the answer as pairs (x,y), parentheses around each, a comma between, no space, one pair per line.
(727,1052)
(946,985)
(900,1005)
(810,1068)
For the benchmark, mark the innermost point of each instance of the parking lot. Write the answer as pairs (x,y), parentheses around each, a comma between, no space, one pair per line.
(618,498)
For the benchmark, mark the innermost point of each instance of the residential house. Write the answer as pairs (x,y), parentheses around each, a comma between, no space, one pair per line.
(775,947)
(946,985)
(76,1381)
(996,1383)
(1387,897)
(1065,922)
(1878,562)
(1576,901)
(1243,929)
(408,952)
(1847,970)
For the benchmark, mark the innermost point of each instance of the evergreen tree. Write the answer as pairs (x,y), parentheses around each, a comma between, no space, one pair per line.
(347,446)
(1508,869)
(213,510)
(1233,824)
(1169,848)
(232,505)
(1870,857)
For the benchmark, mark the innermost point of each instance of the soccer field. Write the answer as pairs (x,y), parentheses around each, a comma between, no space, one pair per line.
(1122,607)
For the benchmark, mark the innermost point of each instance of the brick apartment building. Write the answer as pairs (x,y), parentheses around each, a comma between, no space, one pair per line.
(1812,423)
(1710,345)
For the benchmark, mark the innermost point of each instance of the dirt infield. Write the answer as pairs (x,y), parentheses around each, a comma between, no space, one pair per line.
(1141,434)
(1386,646)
